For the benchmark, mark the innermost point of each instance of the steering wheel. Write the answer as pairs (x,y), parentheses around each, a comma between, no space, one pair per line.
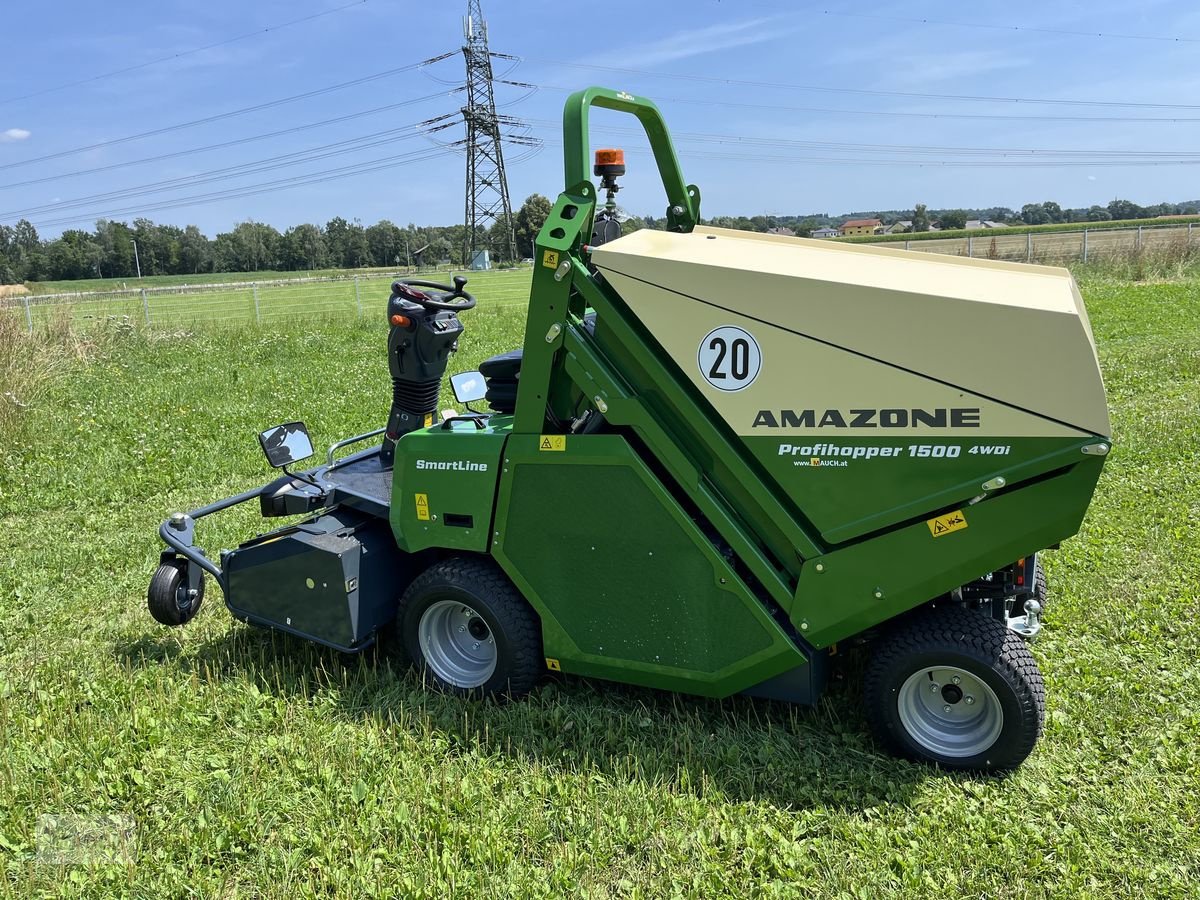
(441,297)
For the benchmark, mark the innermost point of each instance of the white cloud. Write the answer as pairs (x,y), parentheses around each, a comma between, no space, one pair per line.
(13,135)
(698,41)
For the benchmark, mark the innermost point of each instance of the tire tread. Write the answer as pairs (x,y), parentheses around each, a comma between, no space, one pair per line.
(481,576)
(980,637)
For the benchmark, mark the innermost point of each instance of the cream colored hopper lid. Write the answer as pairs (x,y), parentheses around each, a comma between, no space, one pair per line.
(1016,333)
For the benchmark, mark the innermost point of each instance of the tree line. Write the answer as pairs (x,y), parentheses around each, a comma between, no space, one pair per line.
(117,249)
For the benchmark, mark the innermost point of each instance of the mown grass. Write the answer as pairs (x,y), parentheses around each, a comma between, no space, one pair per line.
(258,766)
(153,281)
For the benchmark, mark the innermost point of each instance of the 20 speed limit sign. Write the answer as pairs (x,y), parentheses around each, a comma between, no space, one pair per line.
(729,358)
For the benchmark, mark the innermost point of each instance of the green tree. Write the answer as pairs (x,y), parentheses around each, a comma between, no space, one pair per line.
(920,218)
(1125,209)
(385,242)
(195,252)
(528,221)
(303,247)
(116,246)
(1034,214)
(953,218)
(1098,214)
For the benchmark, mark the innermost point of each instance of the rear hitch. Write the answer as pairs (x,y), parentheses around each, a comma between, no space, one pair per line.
(1028,626)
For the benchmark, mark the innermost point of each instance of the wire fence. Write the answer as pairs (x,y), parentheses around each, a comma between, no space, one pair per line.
(1084,245)
(245,303)
(264,302)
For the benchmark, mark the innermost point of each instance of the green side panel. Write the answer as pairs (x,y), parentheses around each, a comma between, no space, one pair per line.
(454,472)
(627,586)
(862,585)
(849,485)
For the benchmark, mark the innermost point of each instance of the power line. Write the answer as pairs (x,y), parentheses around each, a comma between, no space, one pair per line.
(775,107)
(847,146)
(1017,28)
(864,153)
(182,54)
(686,153)
(233,143)
(911,95)
(270,104)
(366,167)
(285,160)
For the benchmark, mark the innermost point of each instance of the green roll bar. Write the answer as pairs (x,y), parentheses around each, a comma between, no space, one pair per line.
(683,209)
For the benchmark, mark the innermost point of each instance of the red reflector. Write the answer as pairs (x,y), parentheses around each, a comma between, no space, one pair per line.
(1020,580)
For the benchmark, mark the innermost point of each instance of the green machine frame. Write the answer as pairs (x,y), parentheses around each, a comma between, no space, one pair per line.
(781,594)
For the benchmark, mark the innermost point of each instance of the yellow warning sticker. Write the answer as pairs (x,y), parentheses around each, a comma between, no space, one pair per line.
(423,507)
(948,523)
(553,665)
(550,259)
(553,442)
(428,419)
(815,461)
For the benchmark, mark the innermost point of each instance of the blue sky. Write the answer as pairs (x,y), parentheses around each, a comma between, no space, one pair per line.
(783,146)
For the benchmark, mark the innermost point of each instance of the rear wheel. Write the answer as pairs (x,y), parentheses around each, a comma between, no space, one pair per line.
(168,598)
(468,629)
(956,688)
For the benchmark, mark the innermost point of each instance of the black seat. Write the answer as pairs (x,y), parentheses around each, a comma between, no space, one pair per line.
(503,371)
(506,366)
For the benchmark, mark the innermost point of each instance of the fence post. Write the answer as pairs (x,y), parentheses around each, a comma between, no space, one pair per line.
(1189,234)
(907,244)
(357,297)
(1085,247)
(970,245)
(28,314)
(145,306)
(1029,246)
(1139,238)
(257,314)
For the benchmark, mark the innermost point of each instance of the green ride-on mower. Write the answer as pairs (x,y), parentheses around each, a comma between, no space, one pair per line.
(719,459)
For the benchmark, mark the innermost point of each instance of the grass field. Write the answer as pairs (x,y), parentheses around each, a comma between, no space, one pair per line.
(251,765)
(160,281)
(256,301)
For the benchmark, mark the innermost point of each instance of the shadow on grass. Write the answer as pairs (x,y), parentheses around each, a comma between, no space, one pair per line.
(739,749)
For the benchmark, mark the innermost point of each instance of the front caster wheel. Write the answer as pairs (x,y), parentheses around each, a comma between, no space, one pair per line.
(466,627)
(956,688)
(169,599)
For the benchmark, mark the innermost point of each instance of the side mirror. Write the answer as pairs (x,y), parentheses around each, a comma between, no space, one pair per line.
(286,444)
(468,386)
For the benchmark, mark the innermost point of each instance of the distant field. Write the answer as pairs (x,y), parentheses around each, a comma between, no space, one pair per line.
(1057,246)
(1019,229)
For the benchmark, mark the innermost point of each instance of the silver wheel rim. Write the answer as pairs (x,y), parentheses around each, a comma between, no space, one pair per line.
(950,712)
(457,644)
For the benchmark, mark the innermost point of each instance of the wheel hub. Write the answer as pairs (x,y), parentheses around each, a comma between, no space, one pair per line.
(457,644)
(950,711)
